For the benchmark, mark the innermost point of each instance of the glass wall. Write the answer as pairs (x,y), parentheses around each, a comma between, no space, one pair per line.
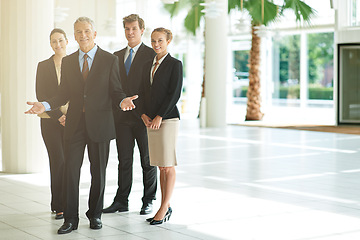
(355,13)
(349,84)
(321,65)
(299,73)
(241,73)
(286,70)
(287,62)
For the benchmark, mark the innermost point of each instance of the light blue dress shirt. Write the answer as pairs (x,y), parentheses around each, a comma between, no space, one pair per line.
(91,55)
(90,59)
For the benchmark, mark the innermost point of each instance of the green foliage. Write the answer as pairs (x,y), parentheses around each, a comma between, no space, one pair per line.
(176,7)
(294,57)
(272,12)
(289,57)
(241,60)
(301,10)
(255,11)
(315,93)
(243,91)
(320,54)
(233,4)
(254,8)
(321,93)
(194,15)
(192,20)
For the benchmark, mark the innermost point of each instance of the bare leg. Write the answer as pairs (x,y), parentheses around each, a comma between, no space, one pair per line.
(162,184)
(167,190)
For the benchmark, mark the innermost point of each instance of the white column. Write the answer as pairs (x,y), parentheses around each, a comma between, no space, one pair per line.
(194,73)
(216,49)
(304,80)
(25,28)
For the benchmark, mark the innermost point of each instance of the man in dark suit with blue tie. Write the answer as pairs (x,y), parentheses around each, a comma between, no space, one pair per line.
(129,126)
(90,81)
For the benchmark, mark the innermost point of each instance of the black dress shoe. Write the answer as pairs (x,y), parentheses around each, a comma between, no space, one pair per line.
(116,206)
(67,227)
(146,208)
(95,223)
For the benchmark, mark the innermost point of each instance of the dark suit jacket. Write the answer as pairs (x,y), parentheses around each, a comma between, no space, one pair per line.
(161,97)
(95,95)
(47,84)
(131,83)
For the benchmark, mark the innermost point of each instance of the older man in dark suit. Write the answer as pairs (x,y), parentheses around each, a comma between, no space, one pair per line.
(129,126)
(90,81)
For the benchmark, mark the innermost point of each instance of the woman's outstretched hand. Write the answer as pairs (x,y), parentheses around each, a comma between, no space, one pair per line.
(37,108)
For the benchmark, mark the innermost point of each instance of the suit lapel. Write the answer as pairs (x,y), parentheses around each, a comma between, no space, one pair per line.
(95,64)
(121,61)
(76,66)
(138,55)
(159,70)
(52,70)
(147,69)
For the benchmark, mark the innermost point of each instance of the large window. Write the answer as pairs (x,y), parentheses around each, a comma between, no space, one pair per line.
(287,67)
(355,13)
(321,66)
(297,73)
(349,83)
(241,73)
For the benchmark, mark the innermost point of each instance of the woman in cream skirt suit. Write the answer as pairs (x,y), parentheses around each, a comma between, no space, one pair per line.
(161,90)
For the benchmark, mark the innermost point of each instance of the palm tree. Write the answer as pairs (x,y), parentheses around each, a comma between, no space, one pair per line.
(264,12)
(261,12)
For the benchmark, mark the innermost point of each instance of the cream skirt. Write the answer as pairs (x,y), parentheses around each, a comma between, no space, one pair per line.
(162,143)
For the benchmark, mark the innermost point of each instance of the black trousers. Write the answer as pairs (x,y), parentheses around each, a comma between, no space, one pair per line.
(126,135)
(53,136)
(98,153)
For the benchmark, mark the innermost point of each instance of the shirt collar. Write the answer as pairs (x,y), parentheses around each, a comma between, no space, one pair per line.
(135,49)
(91,53)
(160,60)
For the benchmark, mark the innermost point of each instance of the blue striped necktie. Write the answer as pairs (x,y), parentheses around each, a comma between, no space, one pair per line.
(128,61)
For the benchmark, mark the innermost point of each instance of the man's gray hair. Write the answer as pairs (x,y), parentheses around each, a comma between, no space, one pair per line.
(87,20)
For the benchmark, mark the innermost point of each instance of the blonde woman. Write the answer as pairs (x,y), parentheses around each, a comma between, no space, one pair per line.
(162,84)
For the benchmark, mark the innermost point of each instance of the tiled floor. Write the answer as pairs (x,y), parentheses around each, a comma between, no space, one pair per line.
(234,183)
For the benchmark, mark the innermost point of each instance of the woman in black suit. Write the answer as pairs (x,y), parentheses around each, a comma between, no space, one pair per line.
(53,122)
(162,84)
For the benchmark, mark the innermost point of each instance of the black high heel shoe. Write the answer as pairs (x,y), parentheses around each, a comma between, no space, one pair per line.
(166,218)
(169,211)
